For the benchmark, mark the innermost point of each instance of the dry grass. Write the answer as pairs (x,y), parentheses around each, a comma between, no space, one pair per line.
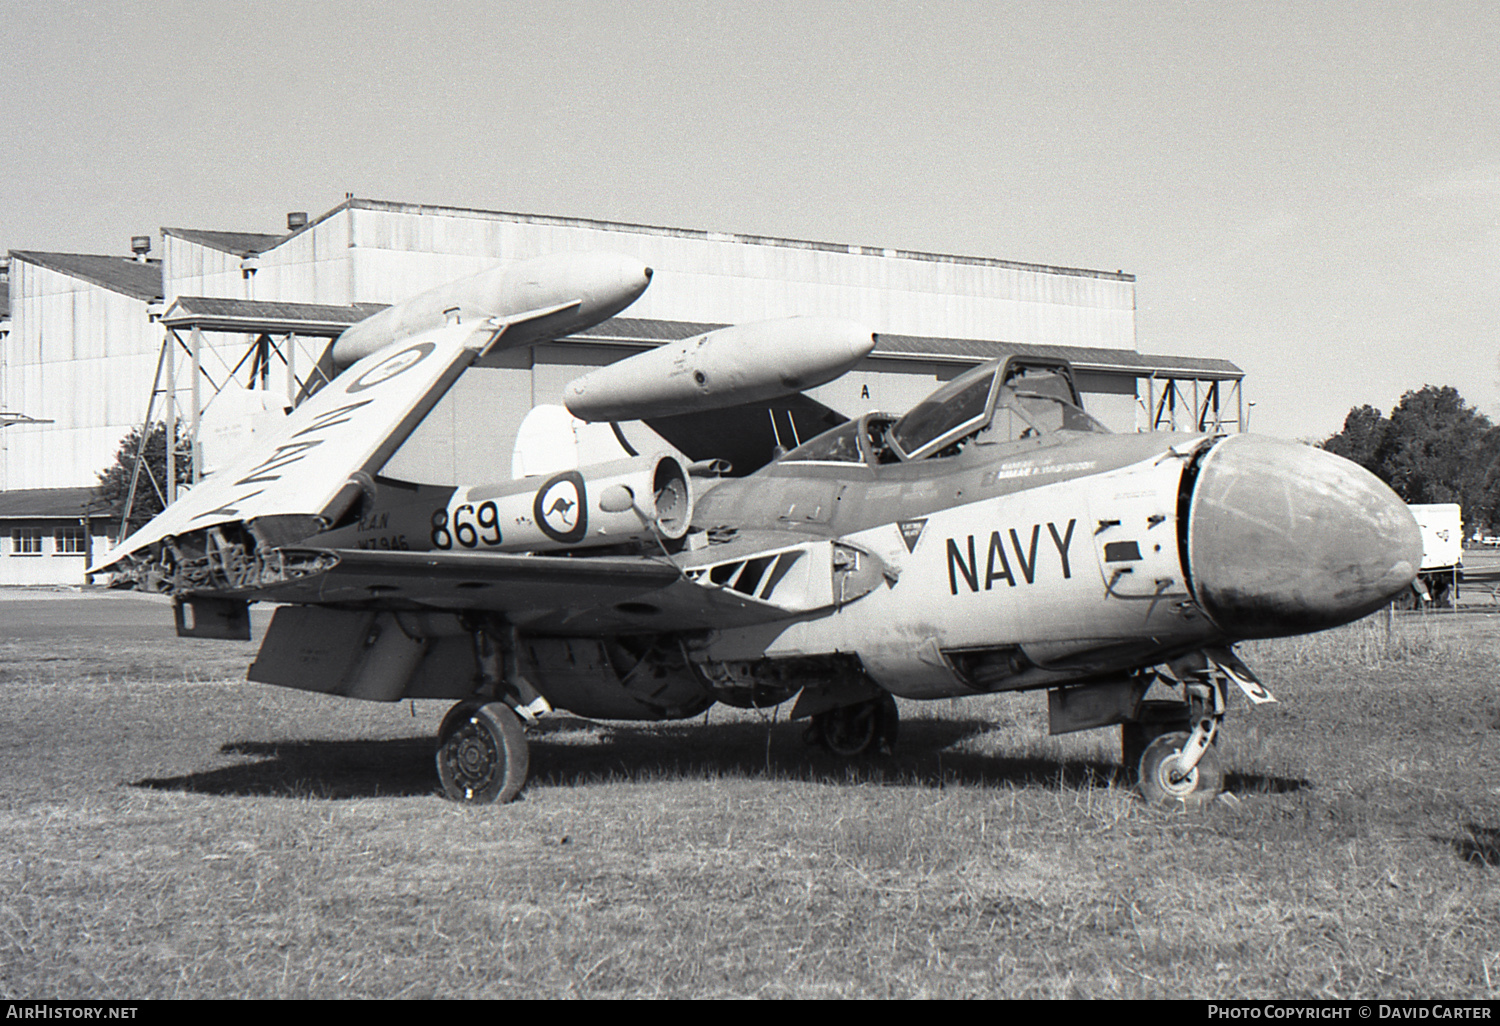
(172,834)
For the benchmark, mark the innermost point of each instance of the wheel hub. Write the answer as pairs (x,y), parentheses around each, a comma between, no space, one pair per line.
(474,757)
(1174,783)
(851,731)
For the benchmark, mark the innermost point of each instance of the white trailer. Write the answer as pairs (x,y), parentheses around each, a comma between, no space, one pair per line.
(1442,551)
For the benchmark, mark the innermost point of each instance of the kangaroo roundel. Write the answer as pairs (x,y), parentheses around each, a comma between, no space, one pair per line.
(560,507)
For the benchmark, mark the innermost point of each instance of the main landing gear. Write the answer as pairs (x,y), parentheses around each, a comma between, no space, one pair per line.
(856,730)
(483,755)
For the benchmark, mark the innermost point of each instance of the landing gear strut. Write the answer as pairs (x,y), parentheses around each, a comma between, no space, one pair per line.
(859,729)
(1169,746)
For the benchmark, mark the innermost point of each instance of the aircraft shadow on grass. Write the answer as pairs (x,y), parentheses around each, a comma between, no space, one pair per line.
(576,753)
(1479,844)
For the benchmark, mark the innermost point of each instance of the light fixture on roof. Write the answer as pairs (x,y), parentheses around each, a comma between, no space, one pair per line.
(140,245)
(296,220)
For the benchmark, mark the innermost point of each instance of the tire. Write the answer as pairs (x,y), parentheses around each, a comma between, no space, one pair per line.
(1197,789)
(482,754)
(458,714)
(856,730)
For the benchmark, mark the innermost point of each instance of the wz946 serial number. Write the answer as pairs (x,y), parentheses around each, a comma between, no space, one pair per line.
(471,526)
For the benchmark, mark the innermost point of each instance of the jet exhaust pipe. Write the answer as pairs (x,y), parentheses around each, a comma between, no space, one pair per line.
(589,287)
(1283,538)
(630,500)
(739,364)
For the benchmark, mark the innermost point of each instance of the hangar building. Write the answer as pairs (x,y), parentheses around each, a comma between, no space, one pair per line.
(98,344)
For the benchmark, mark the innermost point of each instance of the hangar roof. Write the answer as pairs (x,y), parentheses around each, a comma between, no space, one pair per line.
(118,274)
(46,502)
(243,315)
(1115,361)
(211,313)
(238,243)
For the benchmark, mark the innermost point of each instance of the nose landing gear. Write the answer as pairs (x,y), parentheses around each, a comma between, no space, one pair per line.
(1182,770)
(1170,746)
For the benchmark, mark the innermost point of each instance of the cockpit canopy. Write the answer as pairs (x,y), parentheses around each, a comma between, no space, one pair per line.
(1004,400)
(1019,398)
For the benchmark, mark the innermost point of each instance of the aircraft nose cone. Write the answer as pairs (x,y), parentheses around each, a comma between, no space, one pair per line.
(1287,539)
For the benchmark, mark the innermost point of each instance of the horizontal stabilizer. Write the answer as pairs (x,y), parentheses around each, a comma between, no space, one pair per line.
(750,436)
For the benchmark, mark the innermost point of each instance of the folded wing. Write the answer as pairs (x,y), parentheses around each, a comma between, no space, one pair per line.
(300,475)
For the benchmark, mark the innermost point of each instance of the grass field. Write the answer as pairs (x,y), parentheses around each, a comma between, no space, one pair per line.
(169,831)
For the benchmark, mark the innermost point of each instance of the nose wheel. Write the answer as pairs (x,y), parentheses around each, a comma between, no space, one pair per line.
(482,755)
(1171,778)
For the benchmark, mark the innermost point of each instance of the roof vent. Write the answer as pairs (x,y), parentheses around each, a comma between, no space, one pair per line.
(140,245)
(296,220)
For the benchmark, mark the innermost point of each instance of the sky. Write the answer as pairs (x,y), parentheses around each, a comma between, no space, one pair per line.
(1308,189)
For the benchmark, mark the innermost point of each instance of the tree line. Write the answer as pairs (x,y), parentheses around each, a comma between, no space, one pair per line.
(1434,447)
(149,497)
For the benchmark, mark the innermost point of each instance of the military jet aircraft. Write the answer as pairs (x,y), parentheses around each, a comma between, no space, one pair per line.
(994,538)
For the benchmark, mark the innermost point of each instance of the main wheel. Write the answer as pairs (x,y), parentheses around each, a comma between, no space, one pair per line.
(482,753)
(854,730)
(1162,784)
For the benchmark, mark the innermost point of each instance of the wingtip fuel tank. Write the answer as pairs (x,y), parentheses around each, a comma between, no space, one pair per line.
(739,364)
(571,291)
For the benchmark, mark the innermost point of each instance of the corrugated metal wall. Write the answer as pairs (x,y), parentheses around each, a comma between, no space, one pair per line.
(192,269)
(81,356)
(312,266)
(396,253)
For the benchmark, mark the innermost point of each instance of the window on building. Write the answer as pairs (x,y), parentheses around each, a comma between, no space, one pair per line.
(69,541)
(26,541)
